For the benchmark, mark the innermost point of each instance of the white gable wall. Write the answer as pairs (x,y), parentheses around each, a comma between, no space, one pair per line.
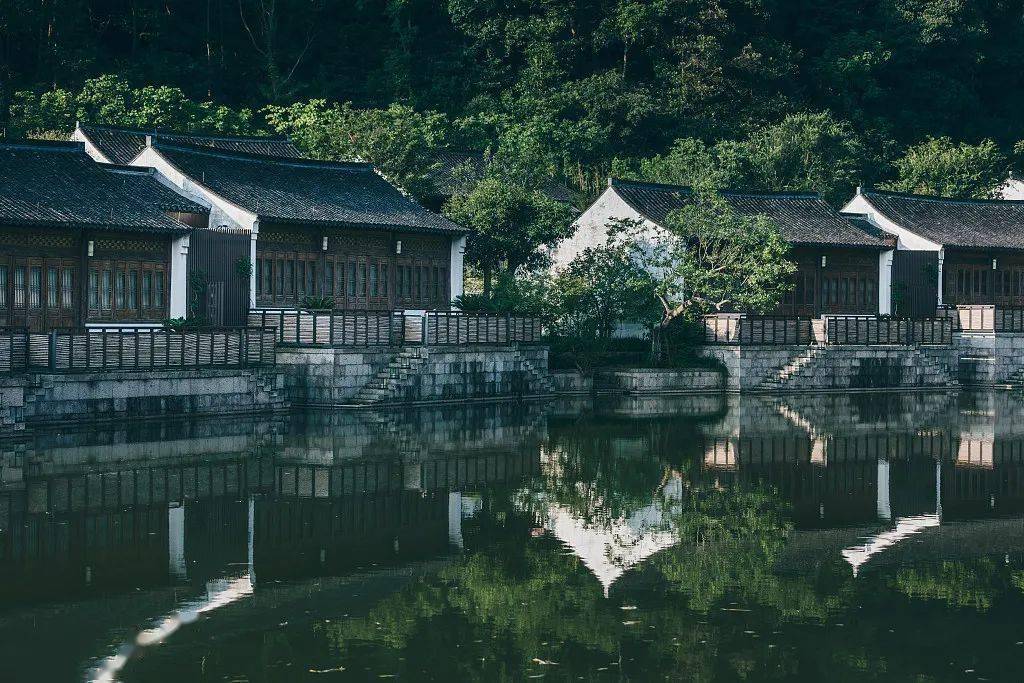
(1011,189)
(591,228)
(905,238)
(90,149)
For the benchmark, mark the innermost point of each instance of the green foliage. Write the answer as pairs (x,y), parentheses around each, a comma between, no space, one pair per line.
(514,295)
(318,303)
(510,221)
(942,167)
(972,584)
(711,258)
(112,100)
(601,288)
(806,152)
(189,324)
(397,140)
(798,95)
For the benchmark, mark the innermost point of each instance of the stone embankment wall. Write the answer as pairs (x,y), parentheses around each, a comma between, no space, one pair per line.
(41,399)
(824,368)
(344,376)
(658,381)
(991,358)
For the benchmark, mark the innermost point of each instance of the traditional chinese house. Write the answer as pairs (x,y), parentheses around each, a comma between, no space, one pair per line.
(322,233)
(83,243)
(114,145)
(957,251)
(842,261)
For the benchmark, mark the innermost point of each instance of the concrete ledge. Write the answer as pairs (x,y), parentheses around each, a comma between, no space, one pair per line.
(658,381)
(572,382)
(49,399)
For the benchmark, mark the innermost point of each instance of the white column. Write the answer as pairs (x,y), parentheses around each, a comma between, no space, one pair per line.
(457,266)
(942,256)
(176,542)
(885,282)
(253,236)
(178,299)
(251,540)
(455,518)
(883,505)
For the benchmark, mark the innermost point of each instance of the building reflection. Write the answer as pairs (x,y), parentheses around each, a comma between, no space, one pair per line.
(190,503)
(172,504)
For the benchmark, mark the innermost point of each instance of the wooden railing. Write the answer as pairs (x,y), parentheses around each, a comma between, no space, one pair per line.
(887,330)
(13,349)
(396,328)
(771,330)
(984,318)
(456,328)
(333,328)
(147,348)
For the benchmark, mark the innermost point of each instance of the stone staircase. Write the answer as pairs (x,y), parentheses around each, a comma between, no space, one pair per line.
(399,381)
(1016,380)
(801,365)
(389,383)
(541,379)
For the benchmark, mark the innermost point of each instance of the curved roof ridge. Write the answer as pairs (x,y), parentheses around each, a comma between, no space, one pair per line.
(181,145)
(44,145)
(936,198)
(729,191)
(188,134)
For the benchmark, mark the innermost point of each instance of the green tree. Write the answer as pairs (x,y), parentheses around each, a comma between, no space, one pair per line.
(942,167)
(399,141)
(711,258)
(510,222)
(599,289)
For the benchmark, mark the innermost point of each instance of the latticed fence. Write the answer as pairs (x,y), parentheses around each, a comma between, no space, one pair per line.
(984,318)
(735,328)
(150,348)
(396,328)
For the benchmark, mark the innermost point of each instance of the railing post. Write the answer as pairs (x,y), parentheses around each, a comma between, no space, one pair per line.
(52,350)
(243,347)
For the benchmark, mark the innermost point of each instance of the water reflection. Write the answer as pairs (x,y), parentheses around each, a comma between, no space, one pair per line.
(726,537)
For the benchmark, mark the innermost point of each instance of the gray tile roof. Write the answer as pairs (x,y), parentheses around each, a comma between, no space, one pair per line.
(59,185)
(121,145)
(451,167)
(304,191)
(142,182)
(963,223)
(805,219)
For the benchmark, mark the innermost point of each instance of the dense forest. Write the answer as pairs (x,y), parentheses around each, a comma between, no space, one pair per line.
(922,95)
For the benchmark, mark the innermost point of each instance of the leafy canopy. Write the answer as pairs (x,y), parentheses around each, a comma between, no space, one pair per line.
(711,258)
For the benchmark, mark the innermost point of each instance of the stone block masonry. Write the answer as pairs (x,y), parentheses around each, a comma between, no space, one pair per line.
(835,367)
(345,376)
(991,358)
(658,381)
(89,397)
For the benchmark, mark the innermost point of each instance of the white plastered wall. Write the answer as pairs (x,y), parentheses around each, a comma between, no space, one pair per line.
(456,268)
(591,228)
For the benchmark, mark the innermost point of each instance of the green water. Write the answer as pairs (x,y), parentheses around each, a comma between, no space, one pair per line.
(857,537)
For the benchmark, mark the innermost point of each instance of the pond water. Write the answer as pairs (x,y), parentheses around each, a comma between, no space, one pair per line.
(832,537)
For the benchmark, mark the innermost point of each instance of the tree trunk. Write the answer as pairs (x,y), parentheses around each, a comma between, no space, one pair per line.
(487,281)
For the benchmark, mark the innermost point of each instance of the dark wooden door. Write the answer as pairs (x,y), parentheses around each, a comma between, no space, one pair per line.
(215,303)
(38,293)
(915,289)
